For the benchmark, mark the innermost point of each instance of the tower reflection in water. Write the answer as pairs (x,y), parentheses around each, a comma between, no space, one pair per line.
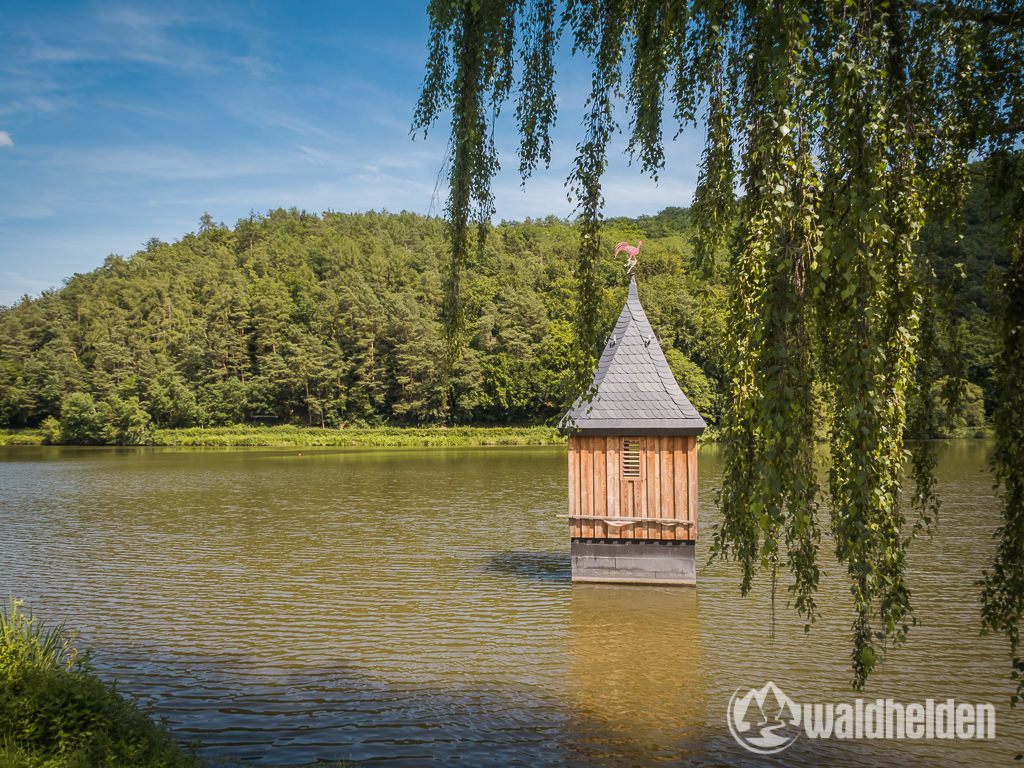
(636,674)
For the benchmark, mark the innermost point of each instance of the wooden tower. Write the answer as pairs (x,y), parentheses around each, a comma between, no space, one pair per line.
(633,464)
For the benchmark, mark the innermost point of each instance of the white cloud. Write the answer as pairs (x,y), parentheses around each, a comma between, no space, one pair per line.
(5,139)
(165,162)
(31,104)
(55,53)
(28,210)
(162,39)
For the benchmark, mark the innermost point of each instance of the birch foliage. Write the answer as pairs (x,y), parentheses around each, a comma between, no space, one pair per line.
(832,128)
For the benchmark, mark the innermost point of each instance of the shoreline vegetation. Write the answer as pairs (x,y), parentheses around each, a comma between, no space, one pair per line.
(282,436)
(288,435)
(56,712)
(334,321)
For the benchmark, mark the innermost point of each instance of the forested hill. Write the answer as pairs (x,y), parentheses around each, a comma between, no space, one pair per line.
(334,320)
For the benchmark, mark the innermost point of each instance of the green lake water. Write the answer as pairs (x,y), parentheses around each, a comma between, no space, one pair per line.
(410,606)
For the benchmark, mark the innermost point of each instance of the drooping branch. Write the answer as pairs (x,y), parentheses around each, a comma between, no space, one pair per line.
(971,14)
(599,29)
(535,110)
(1003,584)
(842,122)
(479,39)
(770,490)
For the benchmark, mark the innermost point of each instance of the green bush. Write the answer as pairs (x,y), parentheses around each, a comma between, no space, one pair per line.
(969,418)
(55,713)
(698,388)
(81,422)
(51,431)
(21,437)
(127,423)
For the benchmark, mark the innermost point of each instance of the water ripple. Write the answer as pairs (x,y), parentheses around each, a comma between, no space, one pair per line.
(416,606)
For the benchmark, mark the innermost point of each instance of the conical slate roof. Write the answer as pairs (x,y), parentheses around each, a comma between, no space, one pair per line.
(634,391)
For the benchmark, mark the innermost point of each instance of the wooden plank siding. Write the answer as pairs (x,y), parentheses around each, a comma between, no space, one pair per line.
(575,528)
(681,496)
(649,450)
(668,500)
(626,491)
(666,487)
(691,482)
(587,478)
(600,503)
(613,460)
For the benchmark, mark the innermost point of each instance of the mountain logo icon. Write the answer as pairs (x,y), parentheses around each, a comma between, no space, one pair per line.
(763,720)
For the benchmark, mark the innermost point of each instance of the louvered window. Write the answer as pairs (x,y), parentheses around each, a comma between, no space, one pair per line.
(631,458)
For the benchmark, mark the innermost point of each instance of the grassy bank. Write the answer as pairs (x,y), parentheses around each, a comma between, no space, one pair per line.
(283,436)
(288,436)
(55,713)
(21,437)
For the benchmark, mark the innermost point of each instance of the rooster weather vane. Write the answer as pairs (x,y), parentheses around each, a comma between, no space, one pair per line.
(631,253)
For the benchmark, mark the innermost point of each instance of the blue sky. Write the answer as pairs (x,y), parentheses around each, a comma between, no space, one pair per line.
(121,122)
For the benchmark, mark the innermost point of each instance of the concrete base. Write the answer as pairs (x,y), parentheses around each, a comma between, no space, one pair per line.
(634,561)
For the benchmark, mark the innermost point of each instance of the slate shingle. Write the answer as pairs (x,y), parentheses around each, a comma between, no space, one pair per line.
(634,390)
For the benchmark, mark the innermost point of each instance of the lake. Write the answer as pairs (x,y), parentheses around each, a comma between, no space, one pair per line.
(408,606)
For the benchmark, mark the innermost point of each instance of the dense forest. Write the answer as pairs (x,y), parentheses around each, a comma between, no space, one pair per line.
(333,321)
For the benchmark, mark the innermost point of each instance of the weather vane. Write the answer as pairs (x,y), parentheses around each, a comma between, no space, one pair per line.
(631,252)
